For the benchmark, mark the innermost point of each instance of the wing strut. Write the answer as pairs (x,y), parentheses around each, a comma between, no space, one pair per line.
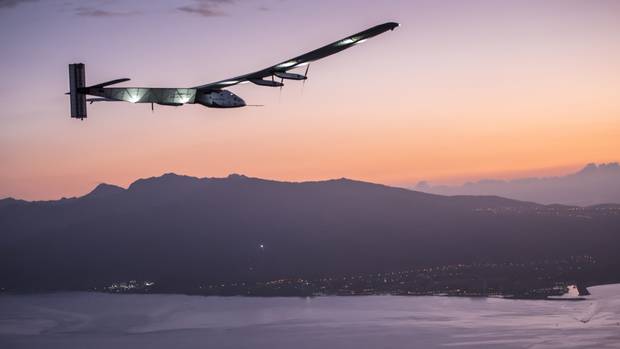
(303,83)
(306,74)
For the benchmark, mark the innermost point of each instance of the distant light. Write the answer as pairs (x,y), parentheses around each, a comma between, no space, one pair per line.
(261,246)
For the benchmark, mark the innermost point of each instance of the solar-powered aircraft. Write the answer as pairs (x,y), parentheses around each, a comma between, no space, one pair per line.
(213,95)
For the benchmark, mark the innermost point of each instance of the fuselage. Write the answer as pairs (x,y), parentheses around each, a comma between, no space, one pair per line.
(169,96)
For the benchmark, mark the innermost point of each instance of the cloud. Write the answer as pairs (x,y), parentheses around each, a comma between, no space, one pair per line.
(87,11)
(13,3)
(97,12)
(205,8)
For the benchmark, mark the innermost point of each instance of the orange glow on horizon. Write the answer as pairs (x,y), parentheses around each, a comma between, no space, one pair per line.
(458,93)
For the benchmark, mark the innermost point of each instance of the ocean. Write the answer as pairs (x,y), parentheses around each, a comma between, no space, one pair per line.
(98,320)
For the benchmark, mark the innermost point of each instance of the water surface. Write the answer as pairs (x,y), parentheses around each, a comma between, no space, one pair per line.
(95,320)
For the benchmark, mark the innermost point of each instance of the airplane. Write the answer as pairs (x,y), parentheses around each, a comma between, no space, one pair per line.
(212,95)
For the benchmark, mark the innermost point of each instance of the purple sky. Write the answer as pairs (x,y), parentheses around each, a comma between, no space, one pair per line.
(464,89)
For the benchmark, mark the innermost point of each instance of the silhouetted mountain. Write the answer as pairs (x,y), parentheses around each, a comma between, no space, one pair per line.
(590,186)
(184,230)
(9,201)
(103,190)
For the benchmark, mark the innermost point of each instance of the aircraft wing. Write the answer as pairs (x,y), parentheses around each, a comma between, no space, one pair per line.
(279,70)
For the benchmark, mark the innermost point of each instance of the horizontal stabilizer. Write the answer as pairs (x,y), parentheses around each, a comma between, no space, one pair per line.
(101,99)
(108,83)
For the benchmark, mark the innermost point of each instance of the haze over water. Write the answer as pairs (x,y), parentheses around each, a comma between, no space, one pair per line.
(93,320)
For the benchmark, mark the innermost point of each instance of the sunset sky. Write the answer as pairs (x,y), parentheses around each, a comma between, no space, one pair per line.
(463,90)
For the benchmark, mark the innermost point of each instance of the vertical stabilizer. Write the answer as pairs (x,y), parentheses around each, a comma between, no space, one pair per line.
(77,81)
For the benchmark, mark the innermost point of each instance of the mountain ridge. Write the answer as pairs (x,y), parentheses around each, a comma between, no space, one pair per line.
(182,230)
(592,185)
(104,189)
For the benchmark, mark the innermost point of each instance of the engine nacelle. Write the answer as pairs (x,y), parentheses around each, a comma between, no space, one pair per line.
(220,99)
(269,83)
(290,76)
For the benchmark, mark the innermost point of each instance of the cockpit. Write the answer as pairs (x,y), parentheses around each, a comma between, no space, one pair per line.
(220,99)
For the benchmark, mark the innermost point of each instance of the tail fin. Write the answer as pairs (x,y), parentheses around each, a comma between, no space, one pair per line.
(77,82)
